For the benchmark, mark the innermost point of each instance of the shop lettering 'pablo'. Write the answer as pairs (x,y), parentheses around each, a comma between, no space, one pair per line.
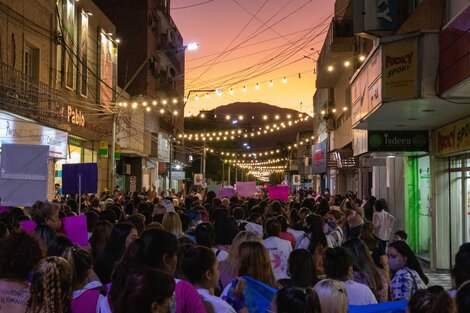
(75,116)
(399,64)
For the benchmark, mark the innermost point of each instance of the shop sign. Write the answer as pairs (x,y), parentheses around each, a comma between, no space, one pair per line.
(366,88)
(75,116)
(398,141)
(399,75)
(13,131)
(117,152)
(132,183)
(359,141)
(375,16)
(103,149)
(369,162)
(453,138)
(319,153)
(163,149)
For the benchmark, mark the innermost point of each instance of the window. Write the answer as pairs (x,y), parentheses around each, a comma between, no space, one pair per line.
(84,54)
(31,62)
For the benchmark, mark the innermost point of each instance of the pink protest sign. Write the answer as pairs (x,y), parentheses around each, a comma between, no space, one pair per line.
(74,227)
(278,192)
(225,192)
(246,189)
(28,226)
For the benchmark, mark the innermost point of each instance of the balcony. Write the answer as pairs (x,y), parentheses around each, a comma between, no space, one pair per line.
(338,47)
(171,51)
(23,95)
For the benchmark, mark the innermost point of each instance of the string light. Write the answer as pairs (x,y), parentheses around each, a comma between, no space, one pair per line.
(231,91)
(244,89)
(271,83)
(284,80)
(347,63)
(257,86)
(362,58)
(330,68)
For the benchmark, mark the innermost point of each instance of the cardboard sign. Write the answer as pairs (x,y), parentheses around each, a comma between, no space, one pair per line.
(74,227)
(225,192)
(278,193)
(89,178)
(246,189)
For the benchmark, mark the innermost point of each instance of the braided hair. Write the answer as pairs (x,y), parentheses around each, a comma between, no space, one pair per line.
(51,286)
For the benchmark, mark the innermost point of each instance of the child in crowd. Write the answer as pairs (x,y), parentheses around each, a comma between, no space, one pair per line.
(400,235)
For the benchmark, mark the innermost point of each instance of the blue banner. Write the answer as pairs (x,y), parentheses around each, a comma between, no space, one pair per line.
(384,307)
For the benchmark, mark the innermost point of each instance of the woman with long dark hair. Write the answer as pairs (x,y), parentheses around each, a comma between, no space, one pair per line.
(121,237)
(408,276)
(364,270)
(146,291)
(156,249)
(314,240)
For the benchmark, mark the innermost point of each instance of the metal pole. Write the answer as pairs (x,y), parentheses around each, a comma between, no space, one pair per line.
(113,150)
(223,173)
(171,161)
(204,164)
(236,174)
(229,168)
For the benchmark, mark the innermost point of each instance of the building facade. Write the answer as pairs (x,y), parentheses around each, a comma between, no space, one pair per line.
(151,69)
(58,74)
(407,96)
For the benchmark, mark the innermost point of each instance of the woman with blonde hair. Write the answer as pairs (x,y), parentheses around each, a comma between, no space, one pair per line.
(172,224)
(51,287)
(255,263)
(228,268)
(332,295)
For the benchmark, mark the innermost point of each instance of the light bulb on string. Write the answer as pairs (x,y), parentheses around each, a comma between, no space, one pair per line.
(284,80)
(162,111)
(175,101)
(154,102)
(134,105)
(244,89)
(257,86)
(148,109)
(164,102)
(231,91)
(271,83)
(196,97)
(207,96)
(144,103)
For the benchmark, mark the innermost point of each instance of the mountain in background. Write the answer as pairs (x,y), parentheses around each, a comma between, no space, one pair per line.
(252,113)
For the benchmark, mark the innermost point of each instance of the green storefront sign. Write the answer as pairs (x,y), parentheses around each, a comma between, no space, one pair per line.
(398,141)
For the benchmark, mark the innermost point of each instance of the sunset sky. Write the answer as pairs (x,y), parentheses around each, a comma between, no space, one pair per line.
(249,42)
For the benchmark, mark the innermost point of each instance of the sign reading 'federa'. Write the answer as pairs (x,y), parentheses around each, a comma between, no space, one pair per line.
(398,141)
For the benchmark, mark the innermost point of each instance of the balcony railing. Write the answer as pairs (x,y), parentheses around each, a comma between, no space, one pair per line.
(21,94)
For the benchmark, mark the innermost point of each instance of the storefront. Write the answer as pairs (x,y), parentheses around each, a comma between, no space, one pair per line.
(396,166)
(451,170)
(18,130)
(79,151)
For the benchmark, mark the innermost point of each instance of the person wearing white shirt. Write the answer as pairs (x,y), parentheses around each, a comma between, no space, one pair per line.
(278,248)
(339,266)
(201,268)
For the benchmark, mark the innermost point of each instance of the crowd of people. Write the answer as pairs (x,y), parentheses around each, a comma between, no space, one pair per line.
(161,253)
